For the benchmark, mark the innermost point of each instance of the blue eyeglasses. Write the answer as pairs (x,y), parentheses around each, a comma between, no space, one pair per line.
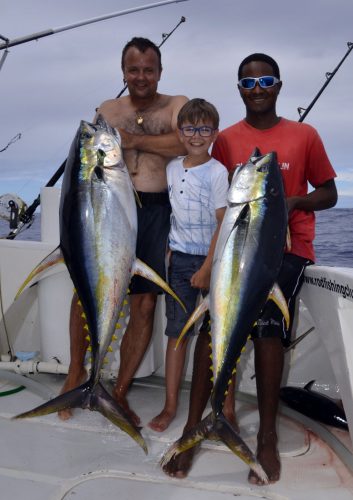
(265,82)
(204,131)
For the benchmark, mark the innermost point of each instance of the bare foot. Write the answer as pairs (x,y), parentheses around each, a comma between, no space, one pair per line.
(71,382)
(268,456)
(180,465)
(122,401)
(162,421)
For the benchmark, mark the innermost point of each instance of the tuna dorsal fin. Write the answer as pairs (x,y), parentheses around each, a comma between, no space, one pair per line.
(147,272)
(309,385)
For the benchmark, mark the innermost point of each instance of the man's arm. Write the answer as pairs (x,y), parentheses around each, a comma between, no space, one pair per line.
(167,145)
(323,197)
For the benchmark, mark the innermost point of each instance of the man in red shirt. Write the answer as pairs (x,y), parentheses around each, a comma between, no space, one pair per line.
(302,159)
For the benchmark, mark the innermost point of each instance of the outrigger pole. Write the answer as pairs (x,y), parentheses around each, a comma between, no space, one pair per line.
(35,36)
(329,76)
(27,215)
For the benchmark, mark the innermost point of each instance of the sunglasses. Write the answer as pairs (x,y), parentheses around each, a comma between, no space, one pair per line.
(204,131)
(265,82)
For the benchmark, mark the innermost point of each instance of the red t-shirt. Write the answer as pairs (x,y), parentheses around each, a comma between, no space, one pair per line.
(301,156)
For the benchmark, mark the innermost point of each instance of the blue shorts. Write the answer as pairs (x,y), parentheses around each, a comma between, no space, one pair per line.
(271,322)
(181,268)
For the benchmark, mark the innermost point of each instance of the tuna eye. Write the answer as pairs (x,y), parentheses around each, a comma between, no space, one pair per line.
(274,191)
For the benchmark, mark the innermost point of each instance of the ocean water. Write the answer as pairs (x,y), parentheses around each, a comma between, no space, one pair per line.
(333,242)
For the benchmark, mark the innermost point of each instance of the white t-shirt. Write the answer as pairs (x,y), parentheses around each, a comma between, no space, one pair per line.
(195,194)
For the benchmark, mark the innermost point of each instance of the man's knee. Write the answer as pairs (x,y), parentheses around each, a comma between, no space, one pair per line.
(143,305)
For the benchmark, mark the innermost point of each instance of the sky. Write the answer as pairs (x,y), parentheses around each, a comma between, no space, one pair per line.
(47,86)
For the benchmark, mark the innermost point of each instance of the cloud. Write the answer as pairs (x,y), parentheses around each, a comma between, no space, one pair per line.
(49,85)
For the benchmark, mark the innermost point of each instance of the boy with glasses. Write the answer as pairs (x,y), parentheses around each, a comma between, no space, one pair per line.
(302,159)
(198,186)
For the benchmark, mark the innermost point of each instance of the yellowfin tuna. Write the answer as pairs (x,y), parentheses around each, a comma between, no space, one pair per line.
(246,263)
(98,228)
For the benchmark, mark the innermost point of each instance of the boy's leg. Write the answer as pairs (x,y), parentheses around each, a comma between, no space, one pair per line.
(270,334)
(174,366)
(201,386)
(181,269)
(268,368)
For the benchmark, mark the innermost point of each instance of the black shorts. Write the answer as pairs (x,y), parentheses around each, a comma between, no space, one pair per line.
(153,223)
(271,322)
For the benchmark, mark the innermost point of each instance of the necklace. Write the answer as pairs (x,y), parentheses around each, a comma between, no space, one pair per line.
(139,119)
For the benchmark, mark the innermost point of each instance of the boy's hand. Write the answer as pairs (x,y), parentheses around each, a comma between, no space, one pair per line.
(201,279)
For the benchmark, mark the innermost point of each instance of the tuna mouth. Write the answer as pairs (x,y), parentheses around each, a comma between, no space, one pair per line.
(98,173)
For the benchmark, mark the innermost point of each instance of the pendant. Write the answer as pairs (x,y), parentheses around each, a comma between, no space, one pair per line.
(139,120)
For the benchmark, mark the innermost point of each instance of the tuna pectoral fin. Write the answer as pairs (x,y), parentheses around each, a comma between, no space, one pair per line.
(277,296)
(147,272)
(198,312)
(97,399)
(215,429)
(41,270)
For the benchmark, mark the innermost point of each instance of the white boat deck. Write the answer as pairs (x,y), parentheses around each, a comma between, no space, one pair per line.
(86,458)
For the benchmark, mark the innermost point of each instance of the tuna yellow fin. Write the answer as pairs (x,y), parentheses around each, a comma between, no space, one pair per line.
(42,270)
(277,296)
(137,198)
(198,312)
(147,272)
(288,240)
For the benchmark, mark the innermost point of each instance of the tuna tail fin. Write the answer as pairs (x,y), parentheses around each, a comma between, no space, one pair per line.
(147,272)
(198,312)
(189,439)
(41,270)
(216,429)
(94,398)
(225,432)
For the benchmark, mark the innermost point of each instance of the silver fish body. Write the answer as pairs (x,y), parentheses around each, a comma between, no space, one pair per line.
(98,228)
(246,262)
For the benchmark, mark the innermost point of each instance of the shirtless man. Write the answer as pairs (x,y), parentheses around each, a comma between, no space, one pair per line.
(147,123)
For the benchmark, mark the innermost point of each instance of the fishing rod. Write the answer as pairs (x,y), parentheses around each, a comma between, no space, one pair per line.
(165,37)
(26,216)
(329,76)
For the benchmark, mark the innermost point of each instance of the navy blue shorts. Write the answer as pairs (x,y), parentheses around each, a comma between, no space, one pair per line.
(181,268)
(271,322)
(153,223)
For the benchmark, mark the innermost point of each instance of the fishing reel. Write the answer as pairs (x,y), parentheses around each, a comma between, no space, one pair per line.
(12,209)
